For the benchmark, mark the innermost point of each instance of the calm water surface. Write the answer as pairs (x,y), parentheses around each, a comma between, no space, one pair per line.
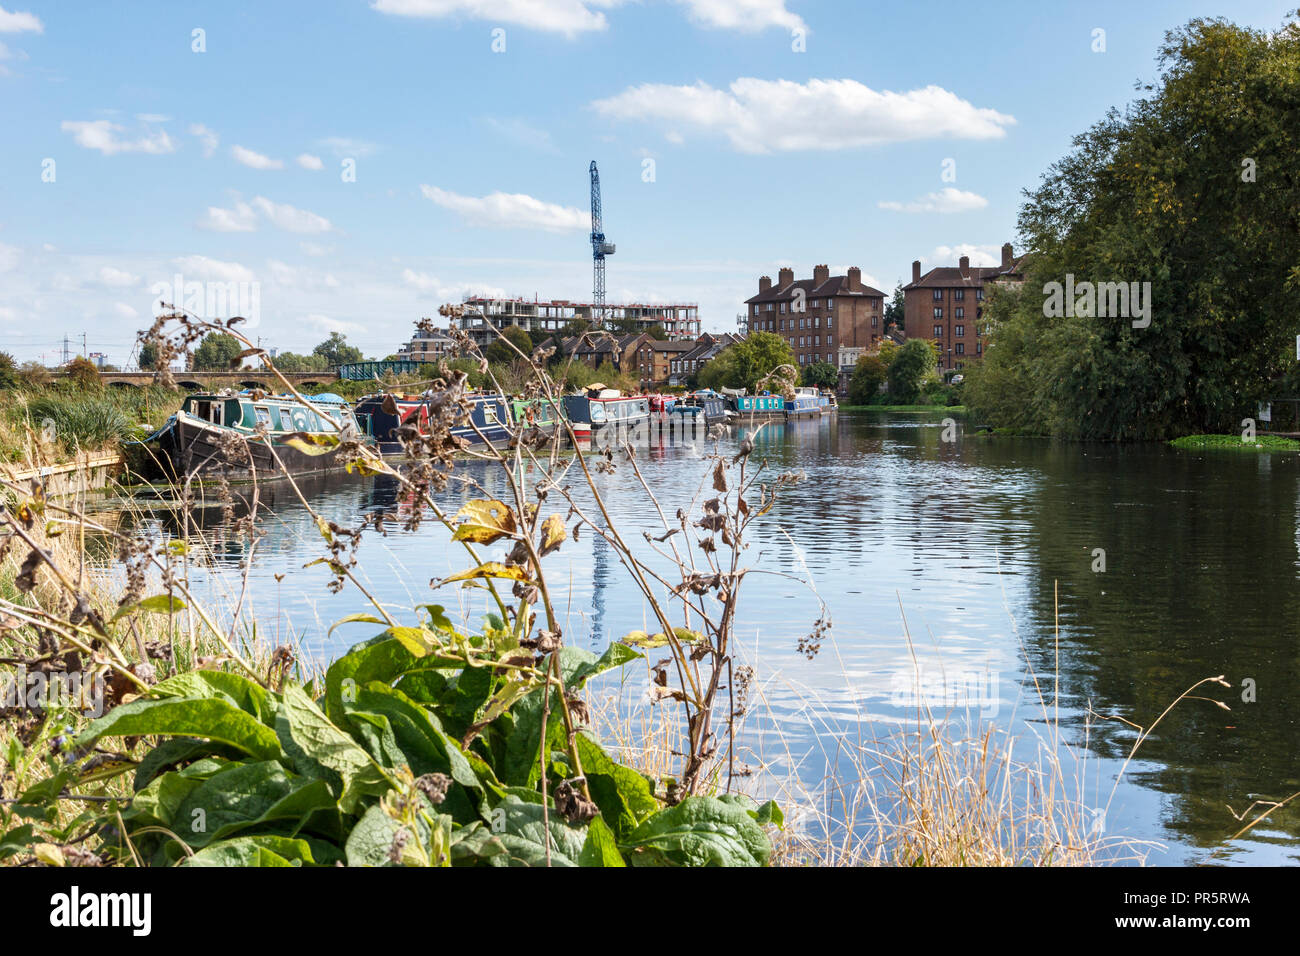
(978,548)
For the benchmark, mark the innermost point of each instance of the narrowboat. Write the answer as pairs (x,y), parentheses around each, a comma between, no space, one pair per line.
(380,418)
(604,410)
(761,406)
(707,406)
(805,404)
(543,414)
(197,439)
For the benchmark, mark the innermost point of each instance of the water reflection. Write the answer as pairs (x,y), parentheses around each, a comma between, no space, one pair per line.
(981,545)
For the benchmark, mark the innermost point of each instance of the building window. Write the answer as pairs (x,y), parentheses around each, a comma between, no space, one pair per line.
(979,295)
(756,310)
(769,307)
(830,320)
(959,330)
(801,341)
(783,308)
(817,321)
(938,294)
(958,312)
(875,320)
(816,303)
(830,304)
(938,331)
(938,312)
(979,348)
(961,348)
(830,340)
(959,294)
(817,340)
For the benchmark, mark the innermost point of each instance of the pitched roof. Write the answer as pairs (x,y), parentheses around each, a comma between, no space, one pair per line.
(835,285)
(950,277)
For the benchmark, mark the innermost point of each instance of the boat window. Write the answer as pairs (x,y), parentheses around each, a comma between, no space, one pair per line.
(489,413)
(597,411)
(263,415)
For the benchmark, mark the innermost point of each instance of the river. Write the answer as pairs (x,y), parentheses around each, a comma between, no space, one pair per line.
(1160,567)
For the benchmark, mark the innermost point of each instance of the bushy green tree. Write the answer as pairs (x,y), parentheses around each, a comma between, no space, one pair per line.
(336,351)
(821,375)
(868,375)
(294,362)
(745,363)
(216,352)
(894,309)
(1189,190)
(908,370)
(498,352)
(8,371)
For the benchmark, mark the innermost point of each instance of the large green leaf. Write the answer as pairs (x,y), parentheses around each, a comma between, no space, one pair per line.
(601,848)
(699,831)
(383,659)
(371,841)
(248,795)
(235,688)
(212,717)
(320,749)
(264,850)
(525,835)
(175,751)
(623,795)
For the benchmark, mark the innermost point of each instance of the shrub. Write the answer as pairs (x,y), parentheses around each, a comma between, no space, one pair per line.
(80,423)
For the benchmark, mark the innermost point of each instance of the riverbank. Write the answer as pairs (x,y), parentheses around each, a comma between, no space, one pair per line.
(1235,442)
(906,409)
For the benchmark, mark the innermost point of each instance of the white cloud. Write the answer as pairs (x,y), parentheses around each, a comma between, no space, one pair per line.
(19,22)
(241,218)
(117,278)
(245,216)
(762,116)
(346,148)
(434,288)
(9,256)
(124,311)
(207,137)
(104,136)
(290,218)
(152,117)
(569,17)
(979,255)
(522,132)
(314,249)
(204,268)
(947,199)
(324,323)
(254,160)
(510,211)
(749,16)
(308,161)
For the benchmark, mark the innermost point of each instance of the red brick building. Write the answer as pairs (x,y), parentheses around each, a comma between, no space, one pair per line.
(820,315)
(947,305)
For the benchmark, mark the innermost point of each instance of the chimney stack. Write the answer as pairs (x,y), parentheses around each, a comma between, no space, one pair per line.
(964,265)
(855,279)
(916,270)
(764,284)
(785,277)
(1007,255)
(821,274)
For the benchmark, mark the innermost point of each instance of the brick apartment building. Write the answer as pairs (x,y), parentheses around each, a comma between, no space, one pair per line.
(947,305)
(818,316)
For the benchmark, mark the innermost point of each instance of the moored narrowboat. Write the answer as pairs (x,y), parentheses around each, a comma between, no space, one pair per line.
(806,403)
(228,434)
(706,405)
(381,418)
(756,407)
(604,410)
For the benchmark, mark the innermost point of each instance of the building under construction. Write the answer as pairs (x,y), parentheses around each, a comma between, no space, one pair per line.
(541,319)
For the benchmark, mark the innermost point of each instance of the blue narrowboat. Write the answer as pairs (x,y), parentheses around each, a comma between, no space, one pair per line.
(382,417)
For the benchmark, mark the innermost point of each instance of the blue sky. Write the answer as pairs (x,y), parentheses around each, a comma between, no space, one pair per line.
(471,162)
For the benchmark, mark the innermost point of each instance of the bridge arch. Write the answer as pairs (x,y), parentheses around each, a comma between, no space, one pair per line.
(118,383)
(250,383)
(189,385)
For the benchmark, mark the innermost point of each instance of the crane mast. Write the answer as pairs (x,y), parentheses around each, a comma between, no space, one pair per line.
(599,249)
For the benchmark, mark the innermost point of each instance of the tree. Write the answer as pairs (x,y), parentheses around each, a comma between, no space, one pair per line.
(8,371)
(821,375)
(216,352)
(83,374)
(336,351)
(574,327)
(914,360)
(148,356)
(33,375)
(1181,198)
(894,309)
(293,362)
(657,333)
(868,375)
(500,353)
(747,362)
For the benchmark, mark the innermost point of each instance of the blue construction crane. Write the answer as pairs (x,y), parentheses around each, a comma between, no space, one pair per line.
(599,249)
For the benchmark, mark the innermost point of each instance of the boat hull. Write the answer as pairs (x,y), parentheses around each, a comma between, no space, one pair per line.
(186,448)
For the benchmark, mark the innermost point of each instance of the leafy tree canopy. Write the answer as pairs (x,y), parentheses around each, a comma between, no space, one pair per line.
(336,351)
